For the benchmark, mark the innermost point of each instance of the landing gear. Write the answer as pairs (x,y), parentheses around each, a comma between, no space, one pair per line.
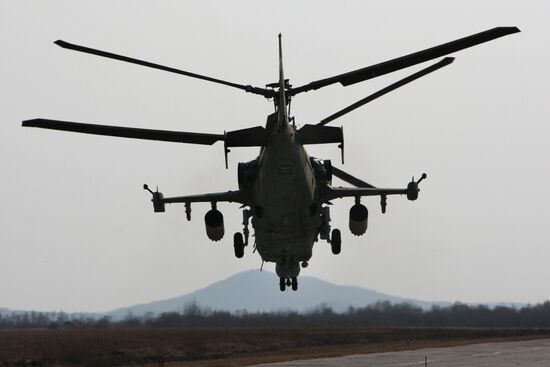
(282,284)
(238,244)
(324,231)
(240,240)
(294,284)
(247,214)
(336,242)
(288,271)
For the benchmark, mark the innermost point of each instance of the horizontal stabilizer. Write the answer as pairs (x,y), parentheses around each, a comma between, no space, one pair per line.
(315,134)
(250,137)
(126,132)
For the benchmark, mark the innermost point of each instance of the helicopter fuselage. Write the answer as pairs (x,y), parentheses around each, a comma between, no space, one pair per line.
(286,217)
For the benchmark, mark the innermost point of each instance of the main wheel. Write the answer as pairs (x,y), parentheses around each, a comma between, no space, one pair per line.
(282,284)
(238,244)
(336,242)
(294,284)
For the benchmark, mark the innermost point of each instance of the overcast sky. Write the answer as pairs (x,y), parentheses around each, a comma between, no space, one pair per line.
(78,233)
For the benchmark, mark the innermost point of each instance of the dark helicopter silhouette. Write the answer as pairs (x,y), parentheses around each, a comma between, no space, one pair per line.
(284,192)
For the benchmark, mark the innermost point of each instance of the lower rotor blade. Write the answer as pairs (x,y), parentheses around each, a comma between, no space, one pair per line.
(346,177)
(126,132)
(446,61)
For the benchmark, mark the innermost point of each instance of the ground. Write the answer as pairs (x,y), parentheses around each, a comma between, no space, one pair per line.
(208,347)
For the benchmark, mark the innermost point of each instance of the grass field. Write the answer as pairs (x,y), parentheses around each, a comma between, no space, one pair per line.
(226,347)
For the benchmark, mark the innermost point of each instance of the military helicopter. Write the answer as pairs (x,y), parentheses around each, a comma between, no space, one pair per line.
(284,192)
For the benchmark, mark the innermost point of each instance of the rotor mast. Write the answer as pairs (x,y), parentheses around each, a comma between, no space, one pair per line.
(281,101)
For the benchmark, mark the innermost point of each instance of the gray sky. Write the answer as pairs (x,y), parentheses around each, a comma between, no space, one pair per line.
(78,232)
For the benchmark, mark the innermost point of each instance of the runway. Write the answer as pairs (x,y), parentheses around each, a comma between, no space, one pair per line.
(532,353)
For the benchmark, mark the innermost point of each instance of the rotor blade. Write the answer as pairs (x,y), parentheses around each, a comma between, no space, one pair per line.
(386,67)
(446,61)
(248,88)
(346,177)
(126,132)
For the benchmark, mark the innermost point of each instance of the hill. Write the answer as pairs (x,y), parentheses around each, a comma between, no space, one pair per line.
(257,291)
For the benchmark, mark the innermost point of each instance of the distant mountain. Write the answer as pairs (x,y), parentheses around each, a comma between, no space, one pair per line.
(257,291)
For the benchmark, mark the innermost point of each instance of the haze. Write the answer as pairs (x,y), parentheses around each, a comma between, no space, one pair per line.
(78,232)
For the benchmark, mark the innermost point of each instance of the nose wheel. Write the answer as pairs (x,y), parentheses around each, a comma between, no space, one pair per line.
(292,282)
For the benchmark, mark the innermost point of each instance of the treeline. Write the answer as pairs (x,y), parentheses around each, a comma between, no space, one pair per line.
(381,314)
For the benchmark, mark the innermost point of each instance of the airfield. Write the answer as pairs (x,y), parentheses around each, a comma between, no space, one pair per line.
(274,346)
(533,353)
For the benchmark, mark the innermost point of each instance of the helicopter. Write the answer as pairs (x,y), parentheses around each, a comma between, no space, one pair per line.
(284,193)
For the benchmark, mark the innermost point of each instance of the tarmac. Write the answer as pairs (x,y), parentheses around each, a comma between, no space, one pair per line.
(532,353)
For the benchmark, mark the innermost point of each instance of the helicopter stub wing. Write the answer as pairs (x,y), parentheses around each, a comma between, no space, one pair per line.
(366,189)
(341,192)
(228,196)
(159,201)
(357,192)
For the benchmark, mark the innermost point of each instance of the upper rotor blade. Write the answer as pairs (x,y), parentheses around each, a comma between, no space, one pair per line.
(446,61)
(126,132)
(346,177)
(386,67)
(247,88)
